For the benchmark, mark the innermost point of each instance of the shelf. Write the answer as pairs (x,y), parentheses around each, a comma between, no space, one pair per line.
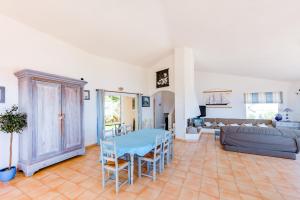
(218,106)
(217,91)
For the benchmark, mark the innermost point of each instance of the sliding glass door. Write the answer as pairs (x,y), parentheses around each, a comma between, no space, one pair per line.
(119,109)
(112,106)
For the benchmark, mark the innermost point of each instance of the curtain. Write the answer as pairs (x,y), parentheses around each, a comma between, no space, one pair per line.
(263,97)
(139,107)
(100,114)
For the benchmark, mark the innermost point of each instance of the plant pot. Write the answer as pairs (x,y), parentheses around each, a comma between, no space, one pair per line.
(7,174)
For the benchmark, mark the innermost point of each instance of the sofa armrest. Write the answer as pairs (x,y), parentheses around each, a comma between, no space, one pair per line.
(297,140)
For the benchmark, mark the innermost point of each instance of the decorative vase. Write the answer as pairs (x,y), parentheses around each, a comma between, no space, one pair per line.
(278,117)
(7,174)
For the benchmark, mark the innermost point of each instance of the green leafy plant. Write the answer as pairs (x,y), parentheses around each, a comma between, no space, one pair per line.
(12,122)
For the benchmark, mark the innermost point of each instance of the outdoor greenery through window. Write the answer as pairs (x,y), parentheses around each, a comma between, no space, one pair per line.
(112,111)
(261,110)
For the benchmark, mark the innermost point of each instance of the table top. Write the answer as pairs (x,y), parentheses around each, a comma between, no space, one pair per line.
(137,142)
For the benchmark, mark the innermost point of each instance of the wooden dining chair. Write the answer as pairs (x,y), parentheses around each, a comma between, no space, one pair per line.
(122,130)
(151,159)
(128,128)
(166,150)
(111,163)
(109,134)
(172,138)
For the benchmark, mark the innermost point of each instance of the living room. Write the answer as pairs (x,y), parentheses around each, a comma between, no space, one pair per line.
(59,59)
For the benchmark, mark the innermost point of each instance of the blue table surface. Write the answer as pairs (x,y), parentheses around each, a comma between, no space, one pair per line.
(138,142)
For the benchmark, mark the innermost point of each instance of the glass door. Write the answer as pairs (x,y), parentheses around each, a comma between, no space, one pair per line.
(112,113)
(120,110)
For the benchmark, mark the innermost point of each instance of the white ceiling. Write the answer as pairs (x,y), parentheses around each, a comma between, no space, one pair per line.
(259,38)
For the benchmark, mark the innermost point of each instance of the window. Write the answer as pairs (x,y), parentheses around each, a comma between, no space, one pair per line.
(261,110)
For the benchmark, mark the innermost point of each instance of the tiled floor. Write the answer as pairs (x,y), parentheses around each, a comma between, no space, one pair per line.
(200,171)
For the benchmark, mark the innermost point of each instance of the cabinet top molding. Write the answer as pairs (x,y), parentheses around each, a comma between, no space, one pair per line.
(42,75)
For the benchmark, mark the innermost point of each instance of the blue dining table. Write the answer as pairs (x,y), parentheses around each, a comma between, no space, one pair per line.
(137,143)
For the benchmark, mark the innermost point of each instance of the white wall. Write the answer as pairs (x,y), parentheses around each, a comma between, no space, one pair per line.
(239,85)
(168,101)
(294,100)
(23,47)
(164,63)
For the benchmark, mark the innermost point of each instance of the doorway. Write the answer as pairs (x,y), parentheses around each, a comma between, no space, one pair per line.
(164,109)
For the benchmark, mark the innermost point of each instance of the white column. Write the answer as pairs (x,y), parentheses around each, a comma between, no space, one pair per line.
(186,105)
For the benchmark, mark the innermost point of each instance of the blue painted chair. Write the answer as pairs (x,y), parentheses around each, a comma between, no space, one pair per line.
(123,129)
(152,159)
(109,134)
(111,163)
(172,138)
(166,150)
(128,128)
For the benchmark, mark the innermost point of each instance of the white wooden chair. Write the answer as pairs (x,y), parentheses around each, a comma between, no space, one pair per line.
(111,163)
(109,133)
(128,128)
(151,159)
(122,130)
(172,138)
(166,150)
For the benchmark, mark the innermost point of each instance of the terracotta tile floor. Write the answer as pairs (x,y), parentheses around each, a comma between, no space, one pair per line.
(200,171)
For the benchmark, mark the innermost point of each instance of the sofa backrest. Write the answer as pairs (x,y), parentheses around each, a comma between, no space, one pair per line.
(228,121)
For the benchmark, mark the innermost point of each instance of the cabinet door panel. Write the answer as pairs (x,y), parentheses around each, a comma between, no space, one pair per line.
(47,107)
(72,117)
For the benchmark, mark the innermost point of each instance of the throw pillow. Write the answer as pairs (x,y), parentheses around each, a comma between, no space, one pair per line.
(262,125)
(208,124)
(221,124)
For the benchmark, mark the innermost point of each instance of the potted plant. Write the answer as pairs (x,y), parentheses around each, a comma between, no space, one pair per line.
(11,122)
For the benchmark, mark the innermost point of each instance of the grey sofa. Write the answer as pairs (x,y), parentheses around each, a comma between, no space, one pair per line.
(274,142)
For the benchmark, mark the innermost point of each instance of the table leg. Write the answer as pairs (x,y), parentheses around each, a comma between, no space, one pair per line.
(131,168)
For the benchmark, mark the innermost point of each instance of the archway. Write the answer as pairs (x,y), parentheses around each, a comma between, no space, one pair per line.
(164,109)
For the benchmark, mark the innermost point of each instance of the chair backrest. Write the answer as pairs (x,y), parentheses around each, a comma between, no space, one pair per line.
(122,130)
(158,146)
(109,133)
(128,128)
(108,151)
(167,139)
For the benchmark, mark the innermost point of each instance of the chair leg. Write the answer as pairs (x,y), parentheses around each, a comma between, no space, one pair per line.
(103,178)
(148,167)
(154,170)
(139,167)
(163,162)
(117,181)
(168,157)
(129,176)
(172,151)
(160,166)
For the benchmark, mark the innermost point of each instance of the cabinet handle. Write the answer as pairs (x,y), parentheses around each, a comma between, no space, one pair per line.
(62,123)
(61,117)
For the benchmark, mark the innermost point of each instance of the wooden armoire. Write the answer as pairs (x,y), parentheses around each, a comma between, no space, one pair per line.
(54,108)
